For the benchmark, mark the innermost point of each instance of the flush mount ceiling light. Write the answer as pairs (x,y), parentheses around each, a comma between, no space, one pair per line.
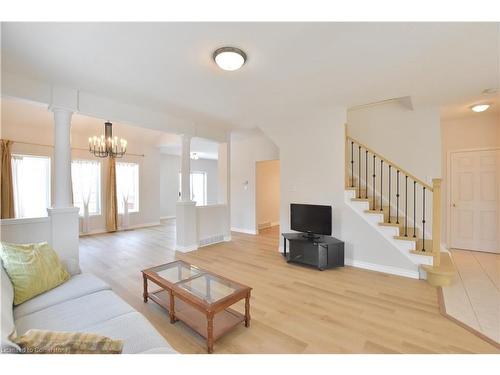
(480,107)
(229,58)
(194,156)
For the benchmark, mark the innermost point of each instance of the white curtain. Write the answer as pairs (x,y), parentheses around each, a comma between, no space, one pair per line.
(31,184)
(127,186)
(86,178)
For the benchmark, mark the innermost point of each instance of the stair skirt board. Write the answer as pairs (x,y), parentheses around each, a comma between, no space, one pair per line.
(385,269)
(387,232)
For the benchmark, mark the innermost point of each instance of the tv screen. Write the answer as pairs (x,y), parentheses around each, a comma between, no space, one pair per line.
(311,218)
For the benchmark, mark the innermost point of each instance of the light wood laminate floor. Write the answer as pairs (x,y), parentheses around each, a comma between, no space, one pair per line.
(294,309)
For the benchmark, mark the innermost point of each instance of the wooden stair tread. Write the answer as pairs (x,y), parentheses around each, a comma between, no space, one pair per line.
(406,238)
(359,199)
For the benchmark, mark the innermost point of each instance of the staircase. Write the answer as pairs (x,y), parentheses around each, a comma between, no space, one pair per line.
(405,210)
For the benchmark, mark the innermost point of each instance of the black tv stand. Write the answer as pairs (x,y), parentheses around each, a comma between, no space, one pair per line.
(321,252)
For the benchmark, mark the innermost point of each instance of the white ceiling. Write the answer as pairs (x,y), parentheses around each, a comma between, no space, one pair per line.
(292,69)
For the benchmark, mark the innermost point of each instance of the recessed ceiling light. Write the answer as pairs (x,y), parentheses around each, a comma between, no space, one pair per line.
(480,107)
(229,58)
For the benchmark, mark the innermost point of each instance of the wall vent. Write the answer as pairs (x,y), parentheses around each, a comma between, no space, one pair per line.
(211,240)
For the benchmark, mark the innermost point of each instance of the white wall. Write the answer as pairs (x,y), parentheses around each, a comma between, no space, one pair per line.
(268,192)
(409,138)
(476,131)
(246,149)
(169,181)
(312,171)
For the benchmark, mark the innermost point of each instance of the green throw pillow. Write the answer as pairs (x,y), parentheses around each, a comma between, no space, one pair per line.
(32,268)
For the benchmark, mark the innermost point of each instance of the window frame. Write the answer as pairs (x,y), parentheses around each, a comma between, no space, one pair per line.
(49,178)
(205,185)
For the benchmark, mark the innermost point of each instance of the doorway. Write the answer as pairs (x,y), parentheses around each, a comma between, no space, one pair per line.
(474,200)
(267,195)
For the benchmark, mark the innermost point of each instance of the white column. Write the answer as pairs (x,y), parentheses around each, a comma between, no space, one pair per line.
(62,158)
(185,168)
(186,220)
(63,216)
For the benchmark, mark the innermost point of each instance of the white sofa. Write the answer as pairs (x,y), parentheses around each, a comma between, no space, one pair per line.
(84,303)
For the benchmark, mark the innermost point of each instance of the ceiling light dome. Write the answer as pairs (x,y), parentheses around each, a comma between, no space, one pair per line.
(480,107)
(229,58)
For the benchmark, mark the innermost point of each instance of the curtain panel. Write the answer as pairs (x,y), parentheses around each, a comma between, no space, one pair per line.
(111,198)
(6,187)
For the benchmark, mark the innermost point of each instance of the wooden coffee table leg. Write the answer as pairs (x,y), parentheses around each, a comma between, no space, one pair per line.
(247,310)
(171,308)
(145,293)
(210,333)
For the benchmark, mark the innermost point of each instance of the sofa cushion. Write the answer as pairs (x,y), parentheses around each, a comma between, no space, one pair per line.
(7,324)
(75,315)
(32,269)
(77,286)
(138,334)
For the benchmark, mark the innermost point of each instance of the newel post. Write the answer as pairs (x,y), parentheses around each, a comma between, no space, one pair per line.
(436,220)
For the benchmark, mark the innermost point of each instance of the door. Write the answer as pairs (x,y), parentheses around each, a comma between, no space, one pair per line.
(474,200)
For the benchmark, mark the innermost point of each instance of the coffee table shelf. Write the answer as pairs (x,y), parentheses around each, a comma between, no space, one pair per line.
(199,298)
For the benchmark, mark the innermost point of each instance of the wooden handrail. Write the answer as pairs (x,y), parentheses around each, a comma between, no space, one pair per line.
(427,186)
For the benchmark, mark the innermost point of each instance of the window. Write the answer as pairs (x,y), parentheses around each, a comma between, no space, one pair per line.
(198,183)
(86,177)
(31,183)
(127,186)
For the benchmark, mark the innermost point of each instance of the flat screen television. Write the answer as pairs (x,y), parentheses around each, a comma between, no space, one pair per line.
(311,219)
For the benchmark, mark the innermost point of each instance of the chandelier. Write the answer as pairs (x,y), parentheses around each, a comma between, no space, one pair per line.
(106,145)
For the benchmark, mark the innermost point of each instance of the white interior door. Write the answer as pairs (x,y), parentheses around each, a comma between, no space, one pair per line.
(474,200)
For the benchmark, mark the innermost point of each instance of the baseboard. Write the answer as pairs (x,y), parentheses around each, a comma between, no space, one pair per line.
(120,229)
(381,268)
(243,230)
(186,249)
(167,217)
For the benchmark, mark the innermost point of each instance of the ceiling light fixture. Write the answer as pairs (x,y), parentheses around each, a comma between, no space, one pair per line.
(194,156)
(106,145)
(480,107)
(229,58)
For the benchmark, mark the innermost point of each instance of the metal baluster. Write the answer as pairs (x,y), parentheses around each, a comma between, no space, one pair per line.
(423,219)
(373,186)
(352,164)
(389,193)
(366,174)
(397,197)
(406,206)
(414,210)
(381,184)
(359,171)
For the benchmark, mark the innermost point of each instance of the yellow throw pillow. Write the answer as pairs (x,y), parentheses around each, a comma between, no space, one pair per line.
(37,341)
(32,268)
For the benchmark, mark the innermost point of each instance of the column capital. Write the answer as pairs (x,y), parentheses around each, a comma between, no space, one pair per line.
(57,109)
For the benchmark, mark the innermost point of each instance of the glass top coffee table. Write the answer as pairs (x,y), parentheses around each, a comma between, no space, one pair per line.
(199,298)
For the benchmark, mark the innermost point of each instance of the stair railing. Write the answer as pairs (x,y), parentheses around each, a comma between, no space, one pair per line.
(356,152)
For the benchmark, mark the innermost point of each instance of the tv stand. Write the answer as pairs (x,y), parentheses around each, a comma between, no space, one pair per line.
(321,252)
